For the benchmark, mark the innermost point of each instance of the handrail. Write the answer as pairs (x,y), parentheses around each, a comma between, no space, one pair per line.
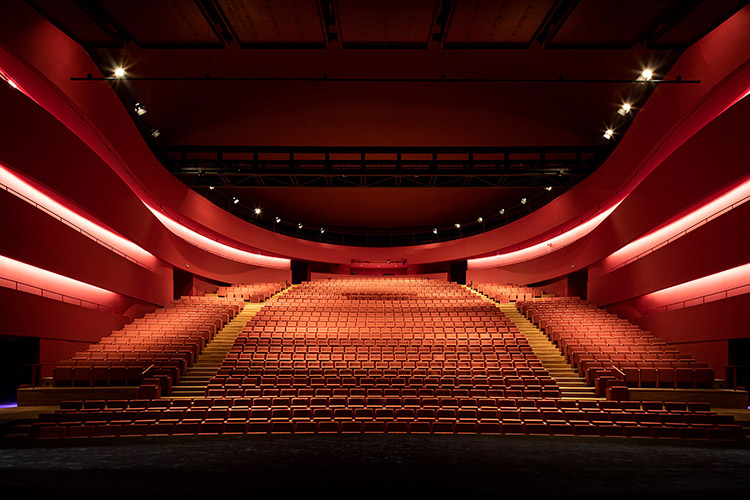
(61,297)
(618,370)
(73,226)
(695,301)
(682,233)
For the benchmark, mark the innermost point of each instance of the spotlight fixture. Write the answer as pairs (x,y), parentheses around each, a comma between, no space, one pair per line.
(322,230)
(12,84)
(608,134)
(523,201)
(502,211)
(155,133)
(434,230)
(257,211)
(211,188)
(299,225)
(278,219)
(140,109)
(624,110)
(646,75)
(119,72)
(235,200)
(480,220)
(458,226)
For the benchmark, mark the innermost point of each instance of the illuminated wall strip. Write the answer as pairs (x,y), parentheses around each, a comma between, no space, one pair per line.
(545,247)
(572,235)
(24,277)
(15,85)
(24,190)
(661,237)
(193,237)
(716,286)
(217,248)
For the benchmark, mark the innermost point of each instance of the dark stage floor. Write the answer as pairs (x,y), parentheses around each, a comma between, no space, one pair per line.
(375,466)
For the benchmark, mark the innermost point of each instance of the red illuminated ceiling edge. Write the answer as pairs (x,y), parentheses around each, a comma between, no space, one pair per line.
(80,126)
(698,119)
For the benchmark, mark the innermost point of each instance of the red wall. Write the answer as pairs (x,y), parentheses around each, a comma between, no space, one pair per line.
(704,330)
(63,329)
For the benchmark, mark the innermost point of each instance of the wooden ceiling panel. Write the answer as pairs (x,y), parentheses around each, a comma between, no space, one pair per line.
(75,23)
(152,23)
(611,23)
(396,22)
(283,22)
(492,23)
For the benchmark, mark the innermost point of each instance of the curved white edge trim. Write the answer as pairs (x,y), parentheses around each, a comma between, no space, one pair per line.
(88,227)
(26,274)
(545,247)
(658,238)
(220,249)
(731,279)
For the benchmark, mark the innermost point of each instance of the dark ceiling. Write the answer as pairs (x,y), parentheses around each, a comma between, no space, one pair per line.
(229,83)
(387,23)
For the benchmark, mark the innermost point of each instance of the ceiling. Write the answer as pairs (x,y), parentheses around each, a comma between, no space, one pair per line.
(387,23)
(223,79)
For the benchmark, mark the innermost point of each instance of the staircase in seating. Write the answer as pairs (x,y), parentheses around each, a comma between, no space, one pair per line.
(571,384)
(193,384)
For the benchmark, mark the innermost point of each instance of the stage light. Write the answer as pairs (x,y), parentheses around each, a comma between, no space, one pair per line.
(140,109)
(299,225)
(458,226)
(211,188)
(434,230)
(12,84)
(523,201)
(257,211)
(624,110)
(155,133)
(548,188)
(608,134)
(480,220)
(322,230)
(646,75)
(502,211)
(235,200)
(119,72)
(278,219)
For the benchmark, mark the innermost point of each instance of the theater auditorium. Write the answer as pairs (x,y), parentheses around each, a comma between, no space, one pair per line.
(347,247)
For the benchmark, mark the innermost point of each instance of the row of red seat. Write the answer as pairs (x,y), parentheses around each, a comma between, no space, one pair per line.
(603,346)
(217,416)
(251,292)
(161,344)
(507,293)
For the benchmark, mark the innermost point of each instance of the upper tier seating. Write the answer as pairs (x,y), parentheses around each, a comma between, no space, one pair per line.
(507,293)
(167,341)
(362,335)
(605,347)
(253,292)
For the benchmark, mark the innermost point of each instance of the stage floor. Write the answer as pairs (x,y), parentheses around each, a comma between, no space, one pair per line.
(376,466)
